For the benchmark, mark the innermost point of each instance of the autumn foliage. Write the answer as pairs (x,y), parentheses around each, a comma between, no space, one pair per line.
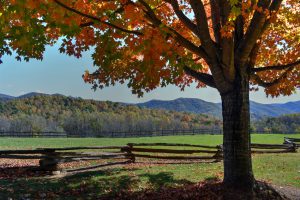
(149,43)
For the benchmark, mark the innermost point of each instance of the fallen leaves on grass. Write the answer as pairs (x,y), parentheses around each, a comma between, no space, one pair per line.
(206,190)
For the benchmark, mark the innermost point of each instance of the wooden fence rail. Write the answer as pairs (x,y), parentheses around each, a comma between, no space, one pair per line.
(83,148)
(176,157)
(51,157)
(289,140)
(273,148)
(172,144)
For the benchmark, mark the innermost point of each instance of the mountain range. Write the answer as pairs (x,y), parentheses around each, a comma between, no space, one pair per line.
(257,110)
(199,106)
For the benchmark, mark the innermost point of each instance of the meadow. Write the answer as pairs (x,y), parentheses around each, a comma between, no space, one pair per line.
(278,169)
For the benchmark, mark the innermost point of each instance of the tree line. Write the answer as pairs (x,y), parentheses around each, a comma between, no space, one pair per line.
(78,116)
(57,113)
(283,124)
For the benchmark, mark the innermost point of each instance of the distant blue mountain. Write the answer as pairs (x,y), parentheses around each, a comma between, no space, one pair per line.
(274,110)
(194,105)
(4,97)
(291,106)
(185,105)
(257,110)
(32,94)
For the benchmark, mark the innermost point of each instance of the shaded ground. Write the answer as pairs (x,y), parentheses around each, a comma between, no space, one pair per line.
(206,190)
(118,181)
(290,192)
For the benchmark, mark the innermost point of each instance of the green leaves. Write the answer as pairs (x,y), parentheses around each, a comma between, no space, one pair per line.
(236,11)
(233,2)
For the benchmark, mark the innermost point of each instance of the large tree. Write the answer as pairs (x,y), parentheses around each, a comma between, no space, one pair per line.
(231,45)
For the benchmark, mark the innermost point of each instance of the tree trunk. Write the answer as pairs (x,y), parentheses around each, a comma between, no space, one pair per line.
(236,139)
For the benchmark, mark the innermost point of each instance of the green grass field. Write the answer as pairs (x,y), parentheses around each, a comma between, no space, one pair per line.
(279,169)
(21,143)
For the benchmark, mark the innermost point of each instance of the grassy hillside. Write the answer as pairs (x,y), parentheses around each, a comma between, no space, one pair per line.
(40,113)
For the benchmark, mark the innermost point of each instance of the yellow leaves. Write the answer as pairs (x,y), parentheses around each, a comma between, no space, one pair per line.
(130,27)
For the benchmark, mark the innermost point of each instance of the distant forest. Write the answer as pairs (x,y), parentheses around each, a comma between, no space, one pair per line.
(75,115)
(282,124)
(57,113)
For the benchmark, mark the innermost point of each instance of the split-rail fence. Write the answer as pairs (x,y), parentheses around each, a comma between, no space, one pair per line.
(50,158)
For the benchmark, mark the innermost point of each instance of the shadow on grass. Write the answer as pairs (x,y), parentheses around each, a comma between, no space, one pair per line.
(164,179)
(117,183)
(99,184)
(97,166)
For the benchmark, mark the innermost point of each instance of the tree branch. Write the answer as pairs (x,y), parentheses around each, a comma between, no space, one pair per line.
(225,9)
(178,37)
(86,24)
(211,59)
(97,19)
(276,67)
(203,77)
(253,33)
(119,10)
(239,30)
(202,26)
(274,7)
(216,19)
(262,83)
(183,18)
(253,55)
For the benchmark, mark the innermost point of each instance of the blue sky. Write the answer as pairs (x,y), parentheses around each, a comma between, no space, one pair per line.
(59,73)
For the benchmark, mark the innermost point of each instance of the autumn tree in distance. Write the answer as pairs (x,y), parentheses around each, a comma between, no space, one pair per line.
(231,45)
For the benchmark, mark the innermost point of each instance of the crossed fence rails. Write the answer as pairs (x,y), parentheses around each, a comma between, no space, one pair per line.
(50,158)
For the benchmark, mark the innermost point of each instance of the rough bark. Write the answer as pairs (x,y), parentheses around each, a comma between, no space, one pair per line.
(237,153)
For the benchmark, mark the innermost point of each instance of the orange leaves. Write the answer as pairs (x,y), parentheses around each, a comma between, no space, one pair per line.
(258,8)
(227,30)
(245,11)
(149,48)
(130,11)
(133,16)
(86,77)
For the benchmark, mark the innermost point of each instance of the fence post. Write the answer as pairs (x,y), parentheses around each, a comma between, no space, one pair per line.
(128,150)
(50,162)
(219,154)
(293,147)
